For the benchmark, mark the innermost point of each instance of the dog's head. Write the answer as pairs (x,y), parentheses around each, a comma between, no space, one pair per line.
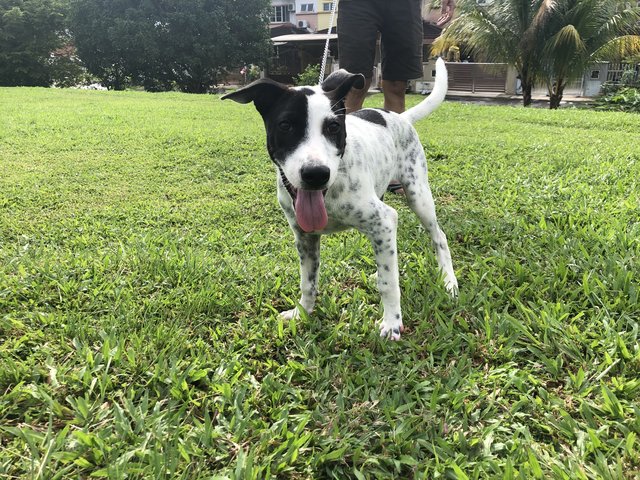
(306,136)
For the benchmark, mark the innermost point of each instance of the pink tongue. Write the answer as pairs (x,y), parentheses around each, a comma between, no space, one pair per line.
(310,211)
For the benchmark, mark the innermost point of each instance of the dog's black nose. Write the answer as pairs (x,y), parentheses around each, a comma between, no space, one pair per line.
(315,176)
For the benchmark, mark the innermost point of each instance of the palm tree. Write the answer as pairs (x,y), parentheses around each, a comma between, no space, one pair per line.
(509,31)
(579,32)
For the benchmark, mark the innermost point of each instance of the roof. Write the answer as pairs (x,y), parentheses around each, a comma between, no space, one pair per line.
(285,29)
(306,37)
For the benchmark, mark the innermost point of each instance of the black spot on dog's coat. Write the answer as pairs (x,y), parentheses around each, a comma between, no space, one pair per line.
(371,115)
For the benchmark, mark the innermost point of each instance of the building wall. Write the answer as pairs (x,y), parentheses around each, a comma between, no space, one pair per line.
(310,14)
(286,8)
(594,77)
(306,15)
(324,14)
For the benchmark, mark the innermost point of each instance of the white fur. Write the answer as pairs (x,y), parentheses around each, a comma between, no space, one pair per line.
(315,149)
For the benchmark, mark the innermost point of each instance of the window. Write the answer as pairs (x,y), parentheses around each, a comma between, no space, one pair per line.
(279,14)
(306,7)
(326,7)
(595,74)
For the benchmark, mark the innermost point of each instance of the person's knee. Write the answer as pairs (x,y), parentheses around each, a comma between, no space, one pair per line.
(394,91)
(395,87)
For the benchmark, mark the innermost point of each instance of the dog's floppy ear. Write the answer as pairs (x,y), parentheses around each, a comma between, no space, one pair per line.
(263,93)
(338,84)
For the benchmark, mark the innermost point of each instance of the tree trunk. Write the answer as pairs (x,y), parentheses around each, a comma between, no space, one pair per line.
(526,83)
(526,93)
(555,94)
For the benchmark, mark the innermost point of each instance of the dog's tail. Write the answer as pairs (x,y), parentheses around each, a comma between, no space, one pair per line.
(434,99)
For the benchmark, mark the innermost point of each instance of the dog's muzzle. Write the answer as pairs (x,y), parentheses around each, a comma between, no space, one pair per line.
(315,176)
(308,202)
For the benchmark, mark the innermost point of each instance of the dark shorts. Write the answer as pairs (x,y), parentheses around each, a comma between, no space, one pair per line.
(400,25)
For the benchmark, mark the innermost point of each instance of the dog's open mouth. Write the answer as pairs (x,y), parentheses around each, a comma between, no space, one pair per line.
(311,213)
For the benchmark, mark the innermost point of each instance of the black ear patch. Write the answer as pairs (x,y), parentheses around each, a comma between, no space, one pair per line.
(284,111)
(264,93)
(338,84)
(343,79)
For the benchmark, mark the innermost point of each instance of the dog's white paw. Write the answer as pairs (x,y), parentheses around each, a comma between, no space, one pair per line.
(391,331)
(452,287)
(290,314)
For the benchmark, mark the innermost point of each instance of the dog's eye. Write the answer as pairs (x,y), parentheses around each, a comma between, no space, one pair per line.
(333,127)
(285,126)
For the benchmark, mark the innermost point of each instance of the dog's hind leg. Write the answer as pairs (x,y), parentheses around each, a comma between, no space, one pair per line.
(420,200)
(308,246)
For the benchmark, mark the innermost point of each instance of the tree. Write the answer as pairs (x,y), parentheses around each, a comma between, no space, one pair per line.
(579,32)
(110,39)
(159,43)
(66,68)
(508,31)
(232,32)
(30,30)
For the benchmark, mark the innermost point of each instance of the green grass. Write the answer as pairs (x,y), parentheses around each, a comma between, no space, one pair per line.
(143,258)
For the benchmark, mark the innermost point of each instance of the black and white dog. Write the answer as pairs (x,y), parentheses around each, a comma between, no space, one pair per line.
(333,170)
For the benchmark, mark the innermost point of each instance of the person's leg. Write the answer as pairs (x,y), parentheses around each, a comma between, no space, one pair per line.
(402,42)
(401,56)
(358,25)
(394,91)
(356,97)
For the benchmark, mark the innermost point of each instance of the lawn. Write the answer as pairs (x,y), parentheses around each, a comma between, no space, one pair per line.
(143,260)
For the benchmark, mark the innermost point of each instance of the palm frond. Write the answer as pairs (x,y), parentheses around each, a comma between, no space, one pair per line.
(569,40)
(621,23)
(483,33)
(618,49)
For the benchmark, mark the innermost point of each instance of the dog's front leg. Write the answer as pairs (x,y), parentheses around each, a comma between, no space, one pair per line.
(383,239)
(308,246)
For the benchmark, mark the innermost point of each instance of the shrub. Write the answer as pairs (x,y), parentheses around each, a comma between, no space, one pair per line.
(626,99)
(253,73)
(309,76)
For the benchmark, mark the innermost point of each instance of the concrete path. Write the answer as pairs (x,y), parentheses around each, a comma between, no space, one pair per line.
(539,100)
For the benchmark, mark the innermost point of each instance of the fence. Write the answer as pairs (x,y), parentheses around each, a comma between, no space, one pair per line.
(477,77)
(616,70)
